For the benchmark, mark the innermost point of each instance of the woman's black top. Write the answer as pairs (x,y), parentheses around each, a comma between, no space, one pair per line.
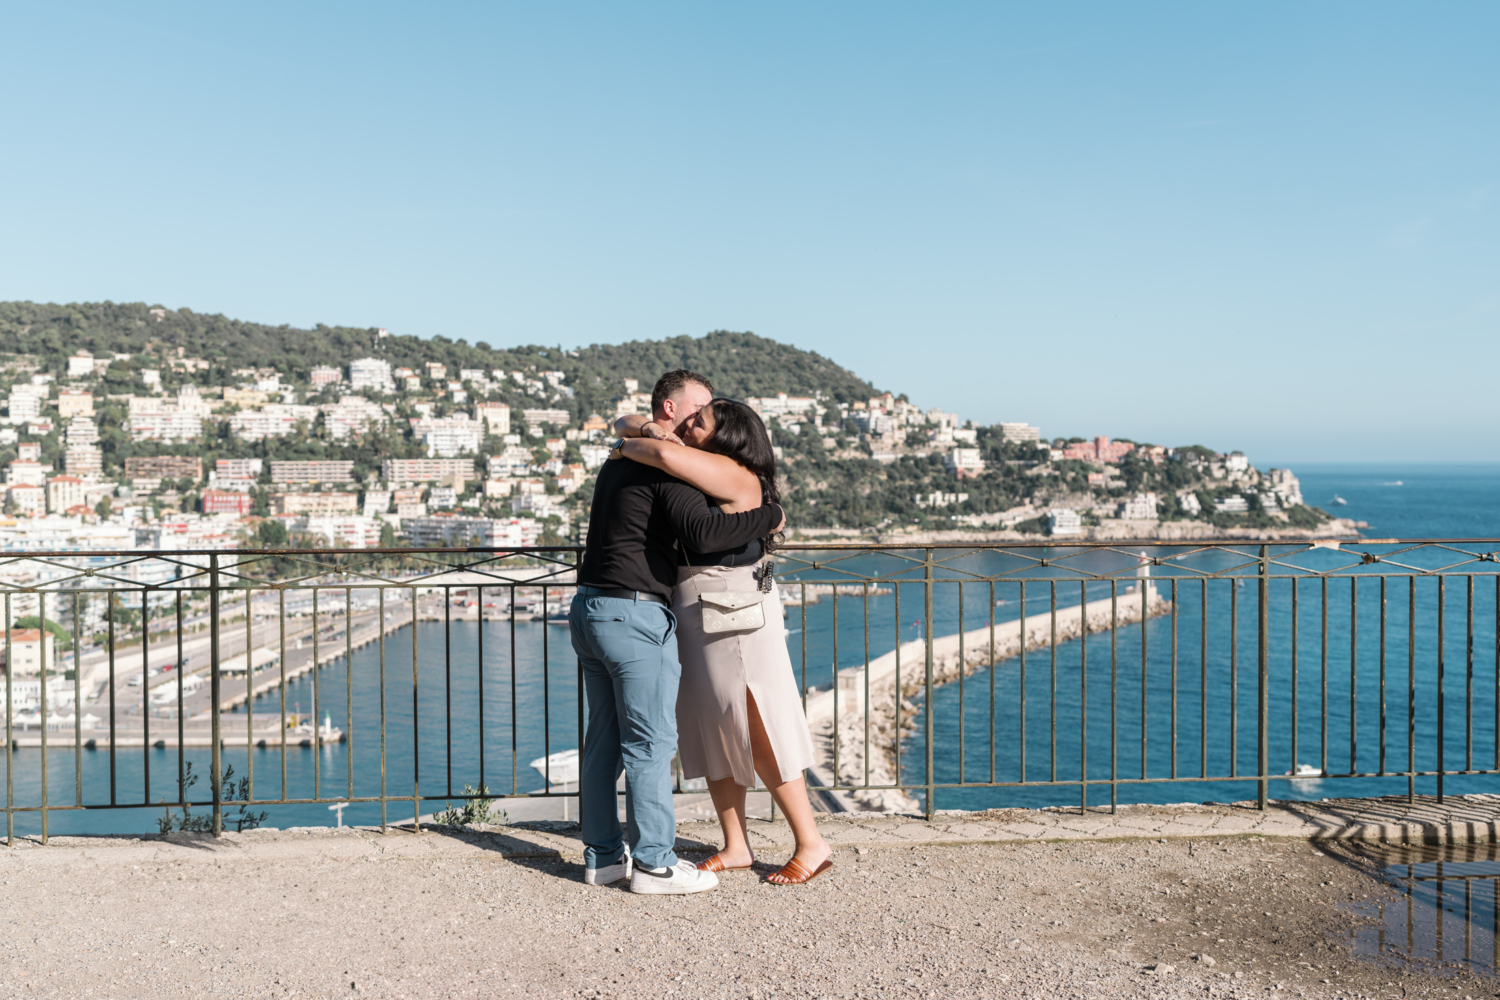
(746,555)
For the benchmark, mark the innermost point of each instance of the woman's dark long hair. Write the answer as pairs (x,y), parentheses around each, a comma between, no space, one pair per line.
(740,434)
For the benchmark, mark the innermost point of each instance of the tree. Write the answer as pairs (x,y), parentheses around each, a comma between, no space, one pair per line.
(271,534)
(64,638)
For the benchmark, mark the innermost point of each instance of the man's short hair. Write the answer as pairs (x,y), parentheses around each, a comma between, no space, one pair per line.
(672,383)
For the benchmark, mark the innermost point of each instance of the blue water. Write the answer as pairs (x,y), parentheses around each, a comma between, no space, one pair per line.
(1215,699)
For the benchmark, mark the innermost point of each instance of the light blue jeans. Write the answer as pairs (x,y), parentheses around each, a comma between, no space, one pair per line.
(628,652)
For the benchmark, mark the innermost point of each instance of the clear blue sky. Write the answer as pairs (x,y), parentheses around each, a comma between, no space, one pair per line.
(1264,226)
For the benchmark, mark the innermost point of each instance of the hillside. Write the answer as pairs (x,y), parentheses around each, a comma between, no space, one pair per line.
(740,364)
(859,462)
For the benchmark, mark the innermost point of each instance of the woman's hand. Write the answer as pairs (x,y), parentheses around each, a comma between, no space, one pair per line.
(633,425)
(652,429)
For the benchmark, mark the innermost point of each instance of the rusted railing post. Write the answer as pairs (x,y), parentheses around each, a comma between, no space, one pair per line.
(930,805)
(213,675)
(1263,673)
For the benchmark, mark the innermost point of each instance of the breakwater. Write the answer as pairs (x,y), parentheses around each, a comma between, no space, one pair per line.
(837,714)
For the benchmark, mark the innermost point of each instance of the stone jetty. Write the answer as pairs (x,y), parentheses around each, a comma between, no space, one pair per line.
(839,712)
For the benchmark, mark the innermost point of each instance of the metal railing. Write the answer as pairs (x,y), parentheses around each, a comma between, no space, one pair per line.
(967,675)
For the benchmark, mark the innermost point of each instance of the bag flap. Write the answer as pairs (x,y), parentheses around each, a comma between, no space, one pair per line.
(731,600)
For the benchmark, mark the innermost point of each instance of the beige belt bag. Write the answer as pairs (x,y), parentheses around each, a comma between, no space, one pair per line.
(732,611)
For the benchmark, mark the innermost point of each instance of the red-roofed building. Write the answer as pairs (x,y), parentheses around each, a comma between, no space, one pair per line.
(1101,449)
(226,502)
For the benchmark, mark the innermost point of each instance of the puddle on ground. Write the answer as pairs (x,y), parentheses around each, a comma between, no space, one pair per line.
(1443,913)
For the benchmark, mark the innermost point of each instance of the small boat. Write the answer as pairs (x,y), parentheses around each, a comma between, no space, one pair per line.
(1305,775)
(561,767)
(1338,501)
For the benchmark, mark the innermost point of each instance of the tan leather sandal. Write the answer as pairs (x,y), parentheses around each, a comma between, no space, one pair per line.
(716,864)
(795,874)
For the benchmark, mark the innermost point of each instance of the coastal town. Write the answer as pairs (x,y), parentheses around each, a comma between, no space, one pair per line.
(121,452)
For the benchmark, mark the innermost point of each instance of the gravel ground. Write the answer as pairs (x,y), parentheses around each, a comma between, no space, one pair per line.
(359,913)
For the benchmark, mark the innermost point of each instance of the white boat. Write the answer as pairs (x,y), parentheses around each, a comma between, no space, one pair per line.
(561,767)
(1338,501)
(1305,776)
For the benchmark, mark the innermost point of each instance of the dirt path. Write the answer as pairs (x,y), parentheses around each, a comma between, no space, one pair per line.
(358,913)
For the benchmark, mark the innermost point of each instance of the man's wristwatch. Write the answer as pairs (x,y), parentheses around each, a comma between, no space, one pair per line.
(618,449)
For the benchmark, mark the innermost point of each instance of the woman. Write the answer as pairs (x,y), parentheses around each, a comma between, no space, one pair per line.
(739,713)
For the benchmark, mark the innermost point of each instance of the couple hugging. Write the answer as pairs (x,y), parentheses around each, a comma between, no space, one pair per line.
(677,626)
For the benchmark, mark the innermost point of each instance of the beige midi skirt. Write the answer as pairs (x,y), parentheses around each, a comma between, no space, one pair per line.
(713,728)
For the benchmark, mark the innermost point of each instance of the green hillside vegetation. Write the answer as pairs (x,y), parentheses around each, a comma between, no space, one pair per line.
(740,364)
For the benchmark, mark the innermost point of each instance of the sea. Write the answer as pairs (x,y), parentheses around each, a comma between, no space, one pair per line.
(454,722)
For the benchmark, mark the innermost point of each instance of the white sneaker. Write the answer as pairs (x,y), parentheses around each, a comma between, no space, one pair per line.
(680,879)
(609,873)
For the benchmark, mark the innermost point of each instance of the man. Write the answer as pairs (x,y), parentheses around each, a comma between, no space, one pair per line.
(625,636)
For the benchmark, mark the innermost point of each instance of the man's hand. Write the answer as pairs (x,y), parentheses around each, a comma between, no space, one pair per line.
(652,429)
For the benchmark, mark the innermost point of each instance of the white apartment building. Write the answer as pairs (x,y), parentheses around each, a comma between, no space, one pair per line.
(539,418)
(446,437)
(153,418)
(236,474)
(942,419)
(594,455)
(425,470)
(940,499)
(25,402)
(371,373)
(376,502)
(81,365)
(1020,432)
(274,420)
(83,460)
(352,415)
(1064,522)
(1232,505)
(964,462)
(26,651)
(305,473)
(63,493)
(322,375)
(26,472)
(782,405)
(1141,507)
(495,416)
(27,500)
(488,532)
(513,461)
(1188,501)
(340,531)
(82,430)
(1287,487)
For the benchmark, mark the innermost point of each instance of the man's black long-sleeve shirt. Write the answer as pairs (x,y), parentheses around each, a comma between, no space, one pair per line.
(638,515)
